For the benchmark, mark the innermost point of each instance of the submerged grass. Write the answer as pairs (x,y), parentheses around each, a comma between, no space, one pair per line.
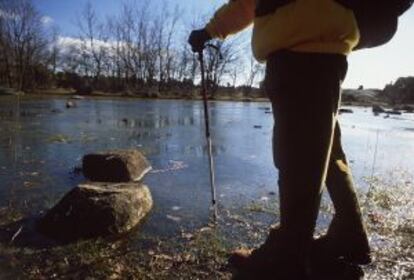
(202,253)
(389,211)
(262,207)
(58,138)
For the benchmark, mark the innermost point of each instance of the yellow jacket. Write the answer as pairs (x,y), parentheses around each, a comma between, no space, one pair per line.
(321,26)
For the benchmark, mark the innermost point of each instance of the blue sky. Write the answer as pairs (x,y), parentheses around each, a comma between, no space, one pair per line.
(65,12)
(372,68)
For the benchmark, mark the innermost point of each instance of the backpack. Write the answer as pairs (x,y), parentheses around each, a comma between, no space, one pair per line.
(377,19)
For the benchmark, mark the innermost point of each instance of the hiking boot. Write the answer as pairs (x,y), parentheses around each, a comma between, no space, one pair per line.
(335,269)
(353,250)
(345,243)
(258,258)
(269,261)
(336,244)
(255,264)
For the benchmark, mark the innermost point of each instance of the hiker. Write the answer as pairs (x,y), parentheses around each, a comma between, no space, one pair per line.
(305,45)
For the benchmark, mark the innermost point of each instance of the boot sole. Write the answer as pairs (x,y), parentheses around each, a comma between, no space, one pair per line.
(335,269)
(349,257)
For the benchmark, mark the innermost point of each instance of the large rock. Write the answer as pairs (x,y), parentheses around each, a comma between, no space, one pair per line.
(376,109)
(345,111)
(70,104)
(7,91)
(97,209)
(115,166)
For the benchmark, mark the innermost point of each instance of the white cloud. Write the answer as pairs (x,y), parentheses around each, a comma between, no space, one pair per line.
(46,20)
(71,42)
(65,42)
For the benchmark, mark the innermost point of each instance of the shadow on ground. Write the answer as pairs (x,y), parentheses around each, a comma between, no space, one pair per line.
(23,234)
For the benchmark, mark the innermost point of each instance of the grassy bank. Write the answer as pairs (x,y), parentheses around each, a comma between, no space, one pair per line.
(364,98)
(225,94)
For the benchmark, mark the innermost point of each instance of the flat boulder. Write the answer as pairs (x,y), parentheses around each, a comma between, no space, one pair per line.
(376,109)
(394,112)
(115,166)
(345,111)
(408,108)
(97,210)
(70,104)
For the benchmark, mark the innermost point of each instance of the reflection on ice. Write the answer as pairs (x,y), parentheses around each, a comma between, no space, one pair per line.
(41,142)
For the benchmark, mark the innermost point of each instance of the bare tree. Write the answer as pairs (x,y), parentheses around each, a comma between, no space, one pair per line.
(234,74)
(135,50)
(94,42)
(54,50)
(165,26)
(5,48)
(23,42)
(219,61)
(255,70)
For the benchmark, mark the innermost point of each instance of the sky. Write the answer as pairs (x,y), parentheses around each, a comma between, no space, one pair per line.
(372,68)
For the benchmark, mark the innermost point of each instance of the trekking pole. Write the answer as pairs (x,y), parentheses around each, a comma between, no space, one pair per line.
(208,136)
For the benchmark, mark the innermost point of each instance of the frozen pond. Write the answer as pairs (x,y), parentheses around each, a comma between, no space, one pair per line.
(41,142)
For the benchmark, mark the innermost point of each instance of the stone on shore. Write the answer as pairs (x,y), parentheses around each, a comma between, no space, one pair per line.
(115,166)
(345,111)
(376,109)
(97,210)
(70,104)
(394,112)
(408,108)
(7,91)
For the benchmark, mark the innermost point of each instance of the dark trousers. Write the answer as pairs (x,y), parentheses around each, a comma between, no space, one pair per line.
(304,89)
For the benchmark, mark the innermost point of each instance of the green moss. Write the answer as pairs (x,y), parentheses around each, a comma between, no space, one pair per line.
(262,207)
(10,215)
(59,138)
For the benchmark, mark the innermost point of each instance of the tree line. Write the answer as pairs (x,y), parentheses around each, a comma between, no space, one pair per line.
(141,49)
(24,53)
(400,92)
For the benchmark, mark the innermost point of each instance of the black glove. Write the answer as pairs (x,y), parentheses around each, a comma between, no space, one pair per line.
(198,39)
